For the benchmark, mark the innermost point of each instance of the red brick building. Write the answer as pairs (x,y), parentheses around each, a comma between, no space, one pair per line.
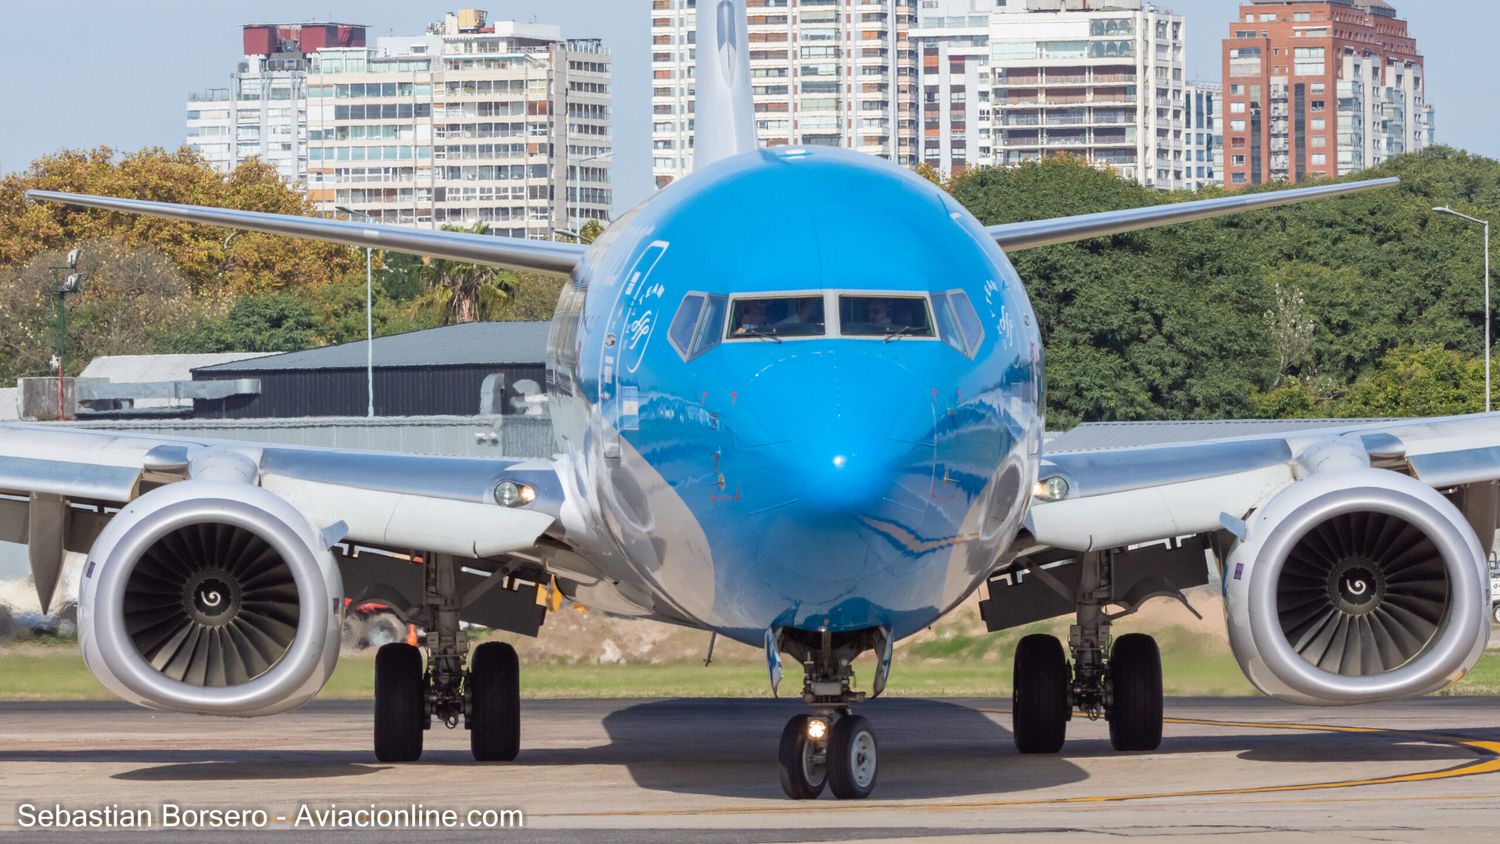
(1314,90)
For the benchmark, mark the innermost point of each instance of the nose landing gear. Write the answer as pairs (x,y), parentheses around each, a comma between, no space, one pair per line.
(832,747)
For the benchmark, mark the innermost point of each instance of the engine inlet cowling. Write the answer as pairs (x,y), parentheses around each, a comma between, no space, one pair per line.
(1355,586)
(216,598)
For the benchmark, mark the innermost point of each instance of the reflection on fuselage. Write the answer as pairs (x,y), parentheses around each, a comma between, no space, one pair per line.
(809,412)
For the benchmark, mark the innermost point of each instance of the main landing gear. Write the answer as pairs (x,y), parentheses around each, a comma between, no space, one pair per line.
(832,747)
(1125,687)
(408,697)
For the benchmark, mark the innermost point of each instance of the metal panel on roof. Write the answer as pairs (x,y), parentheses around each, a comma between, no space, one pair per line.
(466,344)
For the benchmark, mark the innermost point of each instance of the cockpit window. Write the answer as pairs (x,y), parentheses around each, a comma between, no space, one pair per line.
(773,318)
(884,316)
(968,320)
(685,324)
(958,324)
(696,327)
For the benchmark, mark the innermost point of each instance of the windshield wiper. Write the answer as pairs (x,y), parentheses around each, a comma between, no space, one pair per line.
(893,333)
(764,335)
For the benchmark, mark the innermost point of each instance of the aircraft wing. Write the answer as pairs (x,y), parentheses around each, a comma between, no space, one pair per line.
(508,252)
(51,476)
(1034,233)
(1119,497)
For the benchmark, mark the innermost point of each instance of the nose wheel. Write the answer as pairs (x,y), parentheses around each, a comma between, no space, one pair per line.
(803,758)
(843,756)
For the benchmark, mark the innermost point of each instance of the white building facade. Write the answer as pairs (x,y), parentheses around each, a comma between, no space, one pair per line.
(826,72)
(1203,132)
(507,124)
(953,83)
(262,114)
(1099,79)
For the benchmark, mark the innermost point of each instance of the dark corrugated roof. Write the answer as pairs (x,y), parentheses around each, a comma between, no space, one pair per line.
(468,344)
(1092,436)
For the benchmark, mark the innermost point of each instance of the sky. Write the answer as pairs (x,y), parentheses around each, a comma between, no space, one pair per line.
(105,72)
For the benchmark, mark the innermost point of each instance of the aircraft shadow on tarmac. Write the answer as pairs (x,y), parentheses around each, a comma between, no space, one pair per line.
(928,749)
(727,748)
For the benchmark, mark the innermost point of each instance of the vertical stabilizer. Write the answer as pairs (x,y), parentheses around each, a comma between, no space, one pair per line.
(724,123)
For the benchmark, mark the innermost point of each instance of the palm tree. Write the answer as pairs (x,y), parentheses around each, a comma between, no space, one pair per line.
(462,292)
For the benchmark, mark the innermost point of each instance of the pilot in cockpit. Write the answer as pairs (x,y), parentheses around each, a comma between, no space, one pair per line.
(752,318)
(878,315)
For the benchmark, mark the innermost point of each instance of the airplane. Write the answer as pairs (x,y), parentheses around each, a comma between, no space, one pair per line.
(798,402)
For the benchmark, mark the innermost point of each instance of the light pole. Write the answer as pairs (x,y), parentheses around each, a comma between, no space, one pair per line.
(369,319)
(572,218)
(66,286)
(1486,223)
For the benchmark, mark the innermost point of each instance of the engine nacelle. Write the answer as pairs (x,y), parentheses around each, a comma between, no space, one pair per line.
(210,597)
(1356,586)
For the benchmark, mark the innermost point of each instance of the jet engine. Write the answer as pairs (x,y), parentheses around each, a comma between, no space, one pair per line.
(1356,585)
(211,597)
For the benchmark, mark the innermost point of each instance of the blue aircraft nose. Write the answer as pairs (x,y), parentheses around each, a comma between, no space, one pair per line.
(837,432)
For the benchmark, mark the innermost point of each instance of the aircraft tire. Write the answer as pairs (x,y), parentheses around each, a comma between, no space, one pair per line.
(1135,679)
(1040,705)
(495,703)
(400,706)
(853,755)
(802,776)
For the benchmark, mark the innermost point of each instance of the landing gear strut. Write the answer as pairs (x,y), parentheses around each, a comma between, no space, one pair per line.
(485,698)
(1119,681)
(831,747)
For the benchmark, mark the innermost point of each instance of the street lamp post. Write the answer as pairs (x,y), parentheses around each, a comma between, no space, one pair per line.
(72,283)
(578,204)
(369,319)
(1486,223)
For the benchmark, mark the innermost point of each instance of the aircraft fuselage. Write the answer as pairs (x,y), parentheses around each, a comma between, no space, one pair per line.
(835,468)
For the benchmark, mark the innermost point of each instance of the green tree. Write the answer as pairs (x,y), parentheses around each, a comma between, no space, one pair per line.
(590,231)
(273,322)
(1418,380)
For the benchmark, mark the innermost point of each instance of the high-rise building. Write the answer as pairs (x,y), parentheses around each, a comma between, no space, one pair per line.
(1099,79)
(829,72)
(1203,132)
(263,112)
(1314,90)
(953,82)
(506,123)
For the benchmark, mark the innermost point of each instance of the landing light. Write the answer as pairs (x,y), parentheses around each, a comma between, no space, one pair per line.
(839,461)
(1054,488)
(817,729)
(512,494)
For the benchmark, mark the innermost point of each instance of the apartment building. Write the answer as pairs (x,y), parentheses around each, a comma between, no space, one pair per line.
(827,72)
(1315,90)
(953,83)
(263,112)
(505,123)
(1098,79)
(1203,133)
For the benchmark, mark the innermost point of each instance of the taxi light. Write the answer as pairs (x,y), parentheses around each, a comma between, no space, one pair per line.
(1054,488)
(817,729)
(512,494)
